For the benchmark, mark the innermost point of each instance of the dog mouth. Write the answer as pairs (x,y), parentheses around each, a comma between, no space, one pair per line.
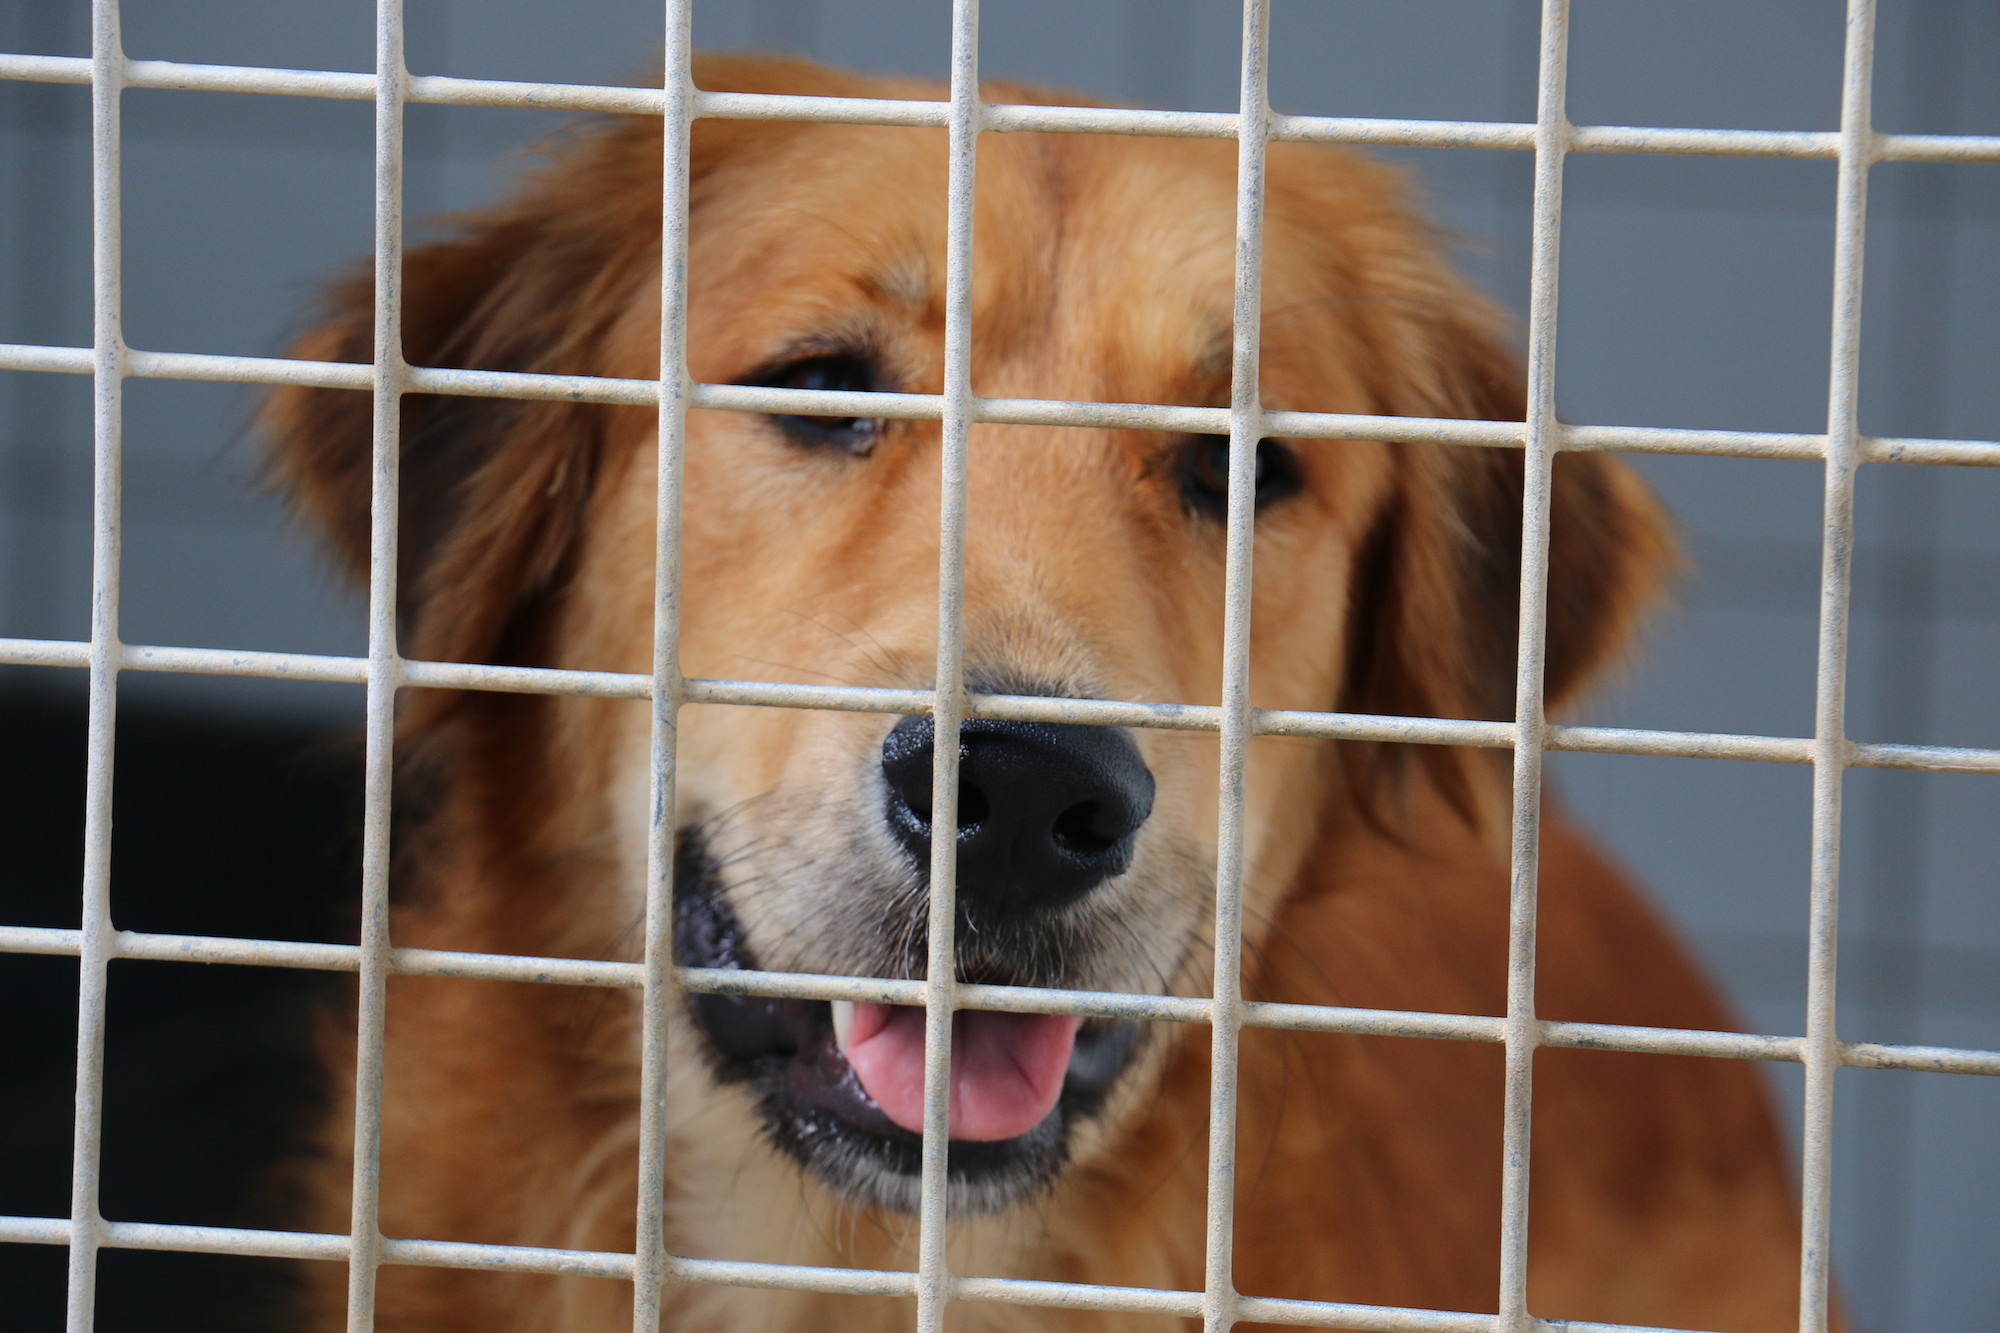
(840,1085)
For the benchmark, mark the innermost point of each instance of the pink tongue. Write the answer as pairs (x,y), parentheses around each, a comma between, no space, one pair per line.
(1006,1069)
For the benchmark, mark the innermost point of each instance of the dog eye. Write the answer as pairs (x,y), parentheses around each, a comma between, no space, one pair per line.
(836,373)
(1204,473)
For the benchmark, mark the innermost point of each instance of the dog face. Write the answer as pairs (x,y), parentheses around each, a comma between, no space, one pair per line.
(1093,569)
(1386,575)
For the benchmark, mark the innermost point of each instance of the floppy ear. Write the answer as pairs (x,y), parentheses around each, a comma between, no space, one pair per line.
(493,491)
(1436,611)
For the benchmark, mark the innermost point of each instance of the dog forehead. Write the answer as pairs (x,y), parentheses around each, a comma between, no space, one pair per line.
(1079,241)
(1103,266)
(1108,257)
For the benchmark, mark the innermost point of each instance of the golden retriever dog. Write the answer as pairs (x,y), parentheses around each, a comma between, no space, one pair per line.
(1386,582)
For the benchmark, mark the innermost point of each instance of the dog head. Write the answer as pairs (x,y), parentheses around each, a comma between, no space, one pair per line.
(1386,575)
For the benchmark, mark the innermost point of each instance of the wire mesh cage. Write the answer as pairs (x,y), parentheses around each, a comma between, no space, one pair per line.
(1829,753)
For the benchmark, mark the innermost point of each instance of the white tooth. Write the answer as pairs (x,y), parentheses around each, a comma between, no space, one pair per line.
(843,1022)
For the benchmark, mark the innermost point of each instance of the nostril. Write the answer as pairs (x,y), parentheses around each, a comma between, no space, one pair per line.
(1080,830)
(973,807)
(906,765)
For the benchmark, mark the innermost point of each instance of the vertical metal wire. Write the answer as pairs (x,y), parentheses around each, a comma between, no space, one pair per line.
(1908,648)
(384,668)
(651,1266)
(1246,429)
(107,442)
(1523,1031)
(1829,747)
(948,706)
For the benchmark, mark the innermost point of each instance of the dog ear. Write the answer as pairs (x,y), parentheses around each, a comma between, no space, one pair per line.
(1436,611)
(492,491)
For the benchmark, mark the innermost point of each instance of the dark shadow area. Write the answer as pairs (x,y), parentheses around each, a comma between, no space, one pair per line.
(219,829)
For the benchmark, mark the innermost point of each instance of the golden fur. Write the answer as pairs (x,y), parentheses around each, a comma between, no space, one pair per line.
(1368,1167)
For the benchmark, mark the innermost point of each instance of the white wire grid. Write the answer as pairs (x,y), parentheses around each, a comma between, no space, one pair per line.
(650,1268)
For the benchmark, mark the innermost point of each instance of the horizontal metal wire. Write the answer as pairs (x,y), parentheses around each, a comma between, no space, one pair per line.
(780,1277)
(302,1245)
(1012,707)
(1118,1005)
(999,411)
(443,90)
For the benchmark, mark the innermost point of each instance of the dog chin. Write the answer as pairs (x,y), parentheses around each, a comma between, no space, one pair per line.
(814,1107)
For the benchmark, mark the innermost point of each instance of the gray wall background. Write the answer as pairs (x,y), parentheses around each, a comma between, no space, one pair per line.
(1695,293)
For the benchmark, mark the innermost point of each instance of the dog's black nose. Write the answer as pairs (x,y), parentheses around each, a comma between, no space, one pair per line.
(1046,811)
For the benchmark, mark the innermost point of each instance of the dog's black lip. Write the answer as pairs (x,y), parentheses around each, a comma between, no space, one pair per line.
(813,1106)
